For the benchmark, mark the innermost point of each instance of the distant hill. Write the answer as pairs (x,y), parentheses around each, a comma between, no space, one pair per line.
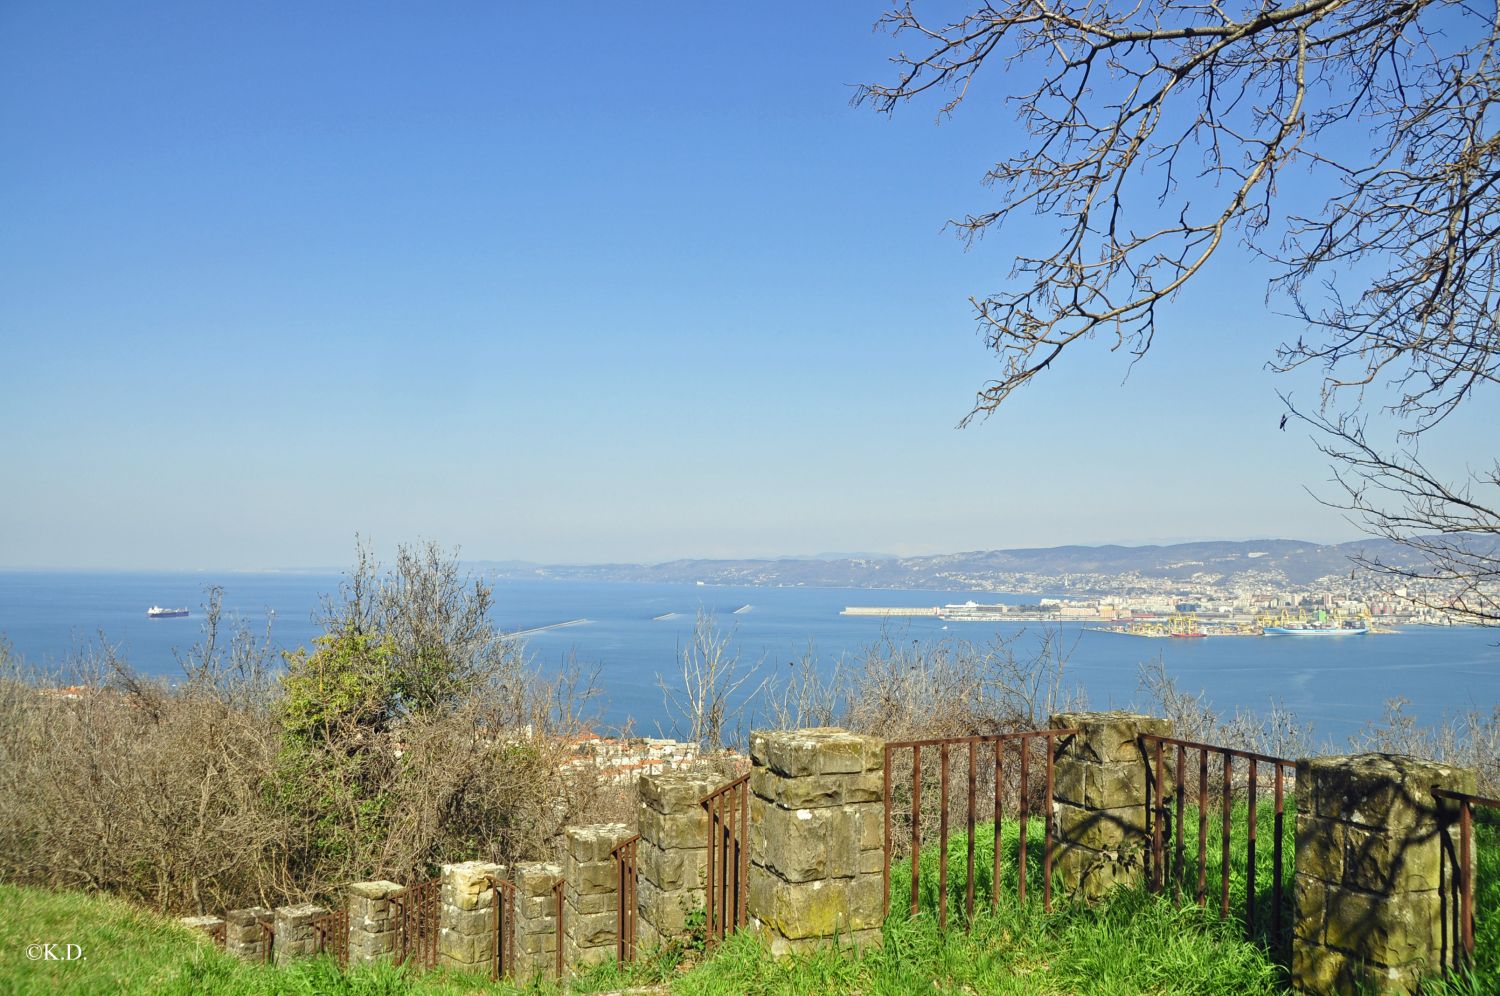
(1275,561)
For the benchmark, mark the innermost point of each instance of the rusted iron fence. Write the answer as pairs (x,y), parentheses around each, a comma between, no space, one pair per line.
(331,935)
(503,936)
(627,876)
(1461,859)
(1177,799)
(728,882)
(1004,777)
(417,924)
(557,928)
(220,934)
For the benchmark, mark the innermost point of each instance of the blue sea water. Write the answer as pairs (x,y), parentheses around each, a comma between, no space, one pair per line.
(1336,684)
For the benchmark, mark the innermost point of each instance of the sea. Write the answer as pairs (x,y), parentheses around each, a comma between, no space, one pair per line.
(629,636)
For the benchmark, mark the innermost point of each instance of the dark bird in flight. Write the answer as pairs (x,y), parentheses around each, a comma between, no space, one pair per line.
(1283,422)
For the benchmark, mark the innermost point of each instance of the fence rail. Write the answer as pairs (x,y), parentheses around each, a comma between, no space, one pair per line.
(503,921)
(417,924)
(627,876)
(728,882)
(985,761)
(331,935)
(1166,827)
(1463,861)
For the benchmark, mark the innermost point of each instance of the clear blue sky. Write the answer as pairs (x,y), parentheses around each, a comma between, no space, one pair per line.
(581,283)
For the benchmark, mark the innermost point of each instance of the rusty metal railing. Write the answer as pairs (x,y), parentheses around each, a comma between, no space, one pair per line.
(417,924)
(331,935)
(627,876)
(503,920)
(728,883)
(1166,828)
(985,759)
(1463,862)
(557,927)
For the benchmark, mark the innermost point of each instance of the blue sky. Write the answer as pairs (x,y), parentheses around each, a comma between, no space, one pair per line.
(611,283)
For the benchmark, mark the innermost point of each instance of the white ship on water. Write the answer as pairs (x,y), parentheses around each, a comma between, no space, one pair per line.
(157,612)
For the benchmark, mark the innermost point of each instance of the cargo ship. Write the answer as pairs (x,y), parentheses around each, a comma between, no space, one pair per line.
(1316,630)
(157,612)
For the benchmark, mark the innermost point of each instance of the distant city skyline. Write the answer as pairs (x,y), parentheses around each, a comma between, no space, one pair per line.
(267,282)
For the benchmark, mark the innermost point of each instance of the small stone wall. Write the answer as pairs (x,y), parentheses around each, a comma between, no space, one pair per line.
(673,854)
(372,921)
(536,919)
(294,934)
(816,838)
(591,919)
(244,933)
(1100,795)
(1369,910)
(466,916)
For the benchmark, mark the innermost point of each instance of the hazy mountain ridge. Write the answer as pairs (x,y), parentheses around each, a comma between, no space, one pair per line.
(1286,561)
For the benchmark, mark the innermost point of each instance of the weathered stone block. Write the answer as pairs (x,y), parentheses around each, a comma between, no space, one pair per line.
(294,936)
(1320,848)
(595,841)
(816,751)
(678,868)
(814,791)
(1107,736)
(676,791)
(1309,908)
(685,829)
(1092,873)
(466,885)
(807,844)
(1101,829)
(1377,790)
(822,909)
(465,951)
(1379,861)
(252,916)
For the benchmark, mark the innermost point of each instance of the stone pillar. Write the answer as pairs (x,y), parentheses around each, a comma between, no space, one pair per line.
(294,935)
(1099,796)
(1369,910)
(244,933)
(673,853)
(466,916)
(536,919)
(816,838)
(372,924)
(591,919)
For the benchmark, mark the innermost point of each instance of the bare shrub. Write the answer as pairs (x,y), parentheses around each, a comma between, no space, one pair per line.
(711,676)
(225,789)
(950,688)
(1276,732)
(1471,740)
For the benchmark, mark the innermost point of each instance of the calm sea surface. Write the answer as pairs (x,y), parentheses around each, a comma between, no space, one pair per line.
(1335,684)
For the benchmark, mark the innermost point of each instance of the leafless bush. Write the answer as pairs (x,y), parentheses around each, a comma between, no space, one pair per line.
(701,703)
(1276,732)
(1471,740)
(801,697)
(955,688)
(192,797)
